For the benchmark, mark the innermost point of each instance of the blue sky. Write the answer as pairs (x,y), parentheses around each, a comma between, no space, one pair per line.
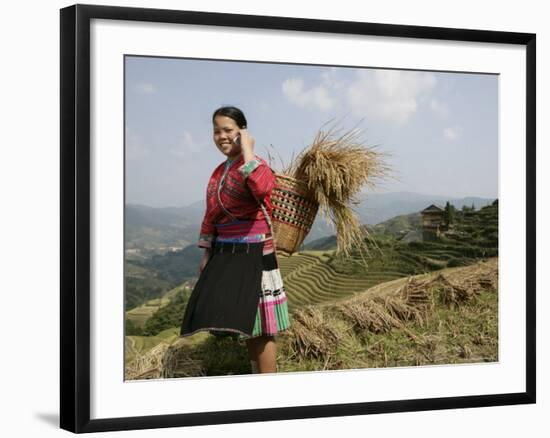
(441,128)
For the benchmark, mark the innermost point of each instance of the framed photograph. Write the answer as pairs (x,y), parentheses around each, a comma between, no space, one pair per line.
(268,218)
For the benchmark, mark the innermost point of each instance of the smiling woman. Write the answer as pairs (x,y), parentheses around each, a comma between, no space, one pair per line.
(240,290)
(228,123)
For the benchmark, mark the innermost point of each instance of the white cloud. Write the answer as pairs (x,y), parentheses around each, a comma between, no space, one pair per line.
(391,95)
(186,145)
(315,97)
(451,134)
(329,78)
(145,88)
(439,107)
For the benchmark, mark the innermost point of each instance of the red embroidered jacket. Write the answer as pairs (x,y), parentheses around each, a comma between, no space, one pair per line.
(232,194)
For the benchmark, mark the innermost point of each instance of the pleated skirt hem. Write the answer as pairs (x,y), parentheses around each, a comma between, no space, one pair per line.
(222,280)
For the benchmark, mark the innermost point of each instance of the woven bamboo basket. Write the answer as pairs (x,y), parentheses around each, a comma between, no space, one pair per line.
(293,213)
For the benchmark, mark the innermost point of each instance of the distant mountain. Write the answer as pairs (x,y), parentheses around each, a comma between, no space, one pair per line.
(149,228)
(377,208)
(193,212)
(152,277)
(177,227)
(322,276)
(399,225)
(472,234)
(176,266)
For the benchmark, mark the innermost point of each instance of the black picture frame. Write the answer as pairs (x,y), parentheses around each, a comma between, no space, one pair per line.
(75,217)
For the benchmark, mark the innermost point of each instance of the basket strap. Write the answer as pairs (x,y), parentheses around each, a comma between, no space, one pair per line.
(220,185)
(268,220)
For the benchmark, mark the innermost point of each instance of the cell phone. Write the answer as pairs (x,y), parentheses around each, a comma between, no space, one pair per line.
(237,140)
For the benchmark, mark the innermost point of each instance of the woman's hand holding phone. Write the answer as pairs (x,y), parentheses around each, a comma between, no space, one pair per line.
(246,143)
(237,140)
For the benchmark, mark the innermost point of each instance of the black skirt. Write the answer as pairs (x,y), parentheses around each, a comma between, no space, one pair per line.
(225,297)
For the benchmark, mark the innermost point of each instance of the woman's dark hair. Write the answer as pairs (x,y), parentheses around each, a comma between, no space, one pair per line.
(233,113)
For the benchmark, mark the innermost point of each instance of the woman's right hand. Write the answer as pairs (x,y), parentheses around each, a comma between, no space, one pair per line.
(204,259)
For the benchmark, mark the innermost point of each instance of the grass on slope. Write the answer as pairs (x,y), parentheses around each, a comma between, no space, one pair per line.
(139,315)
(430,319)
(139,345)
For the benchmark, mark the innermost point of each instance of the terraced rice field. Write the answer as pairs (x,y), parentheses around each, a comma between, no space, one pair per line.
(139,315)
(135,345)
(309,279)
(314,277)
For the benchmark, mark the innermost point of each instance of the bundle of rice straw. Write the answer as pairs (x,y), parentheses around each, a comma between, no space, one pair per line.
(335,168)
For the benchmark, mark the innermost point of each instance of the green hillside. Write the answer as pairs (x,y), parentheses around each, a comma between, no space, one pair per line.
(138,345)
(399,225)
(153,230)
(313,277)
(473,234)
(318,277)
(444,317)
(142,284)
(310,278)
(396,227)
(174,267)
(158,314)
(152,278)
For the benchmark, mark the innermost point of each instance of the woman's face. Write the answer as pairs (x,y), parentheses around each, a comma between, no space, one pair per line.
(225,130)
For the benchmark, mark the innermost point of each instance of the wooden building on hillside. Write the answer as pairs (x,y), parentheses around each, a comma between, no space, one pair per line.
(433,222)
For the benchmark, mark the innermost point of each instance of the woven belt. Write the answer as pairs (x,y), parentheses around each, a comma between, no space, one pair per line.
(234,247)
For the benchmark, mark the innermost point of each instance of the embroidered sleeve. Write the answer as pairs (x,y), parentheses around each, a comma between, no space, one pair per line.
(206,240)
(259,177)
(208,232)
(247,168)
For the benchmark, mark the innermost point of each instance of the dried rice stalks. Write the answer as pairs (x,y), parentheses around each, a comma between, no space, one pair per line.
(415,293)
(483,275)
(314,336)
(335,169)
(177,363)
(489,281)
(148,365)
(164,361)
(379,314)
(455,289)
(454,293)
(414,300)
(371,315)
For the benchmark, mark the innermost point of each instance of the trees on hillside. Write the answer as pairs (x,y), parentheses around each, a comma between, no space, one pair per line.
(449,214)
